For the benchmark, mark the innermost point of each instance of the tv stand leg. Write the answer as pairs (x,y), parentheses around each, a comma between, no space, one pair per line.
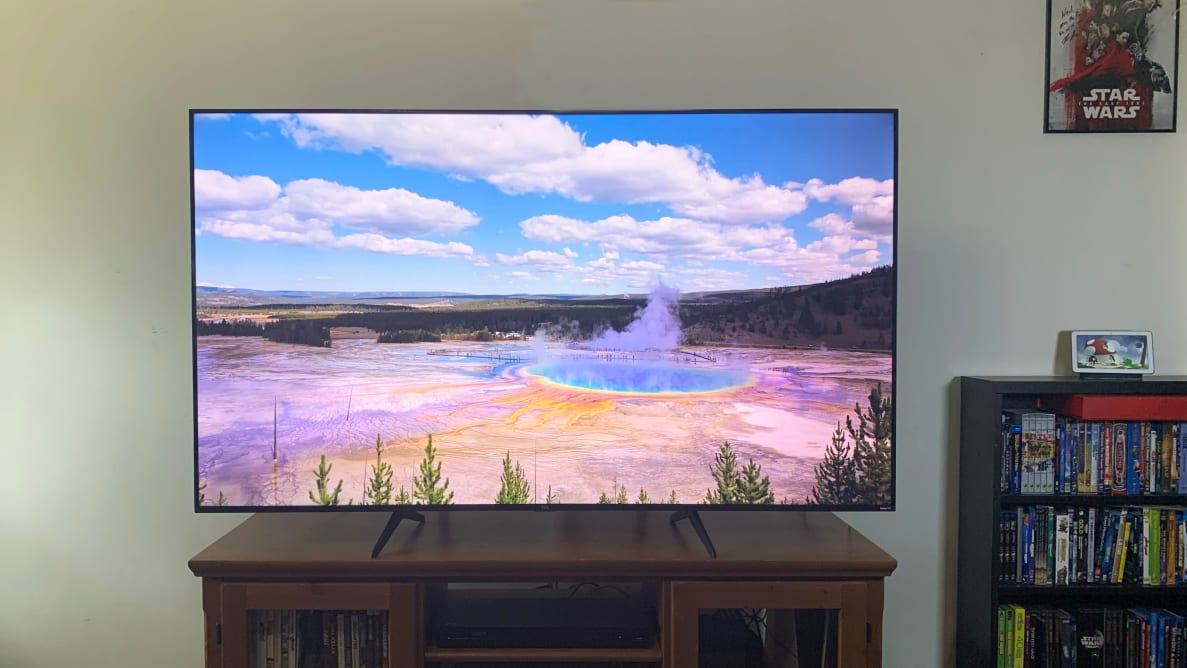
(694,518)
(393,522)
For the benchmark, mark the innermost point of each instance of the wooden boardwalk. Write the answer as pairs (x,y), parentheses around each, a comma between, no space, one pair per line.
(502,357)
(508,357)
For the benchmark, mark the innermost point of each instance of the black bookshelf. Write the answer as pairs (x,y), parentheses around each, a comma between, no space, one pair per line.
(1096,500)
(978,589)
(1049,591)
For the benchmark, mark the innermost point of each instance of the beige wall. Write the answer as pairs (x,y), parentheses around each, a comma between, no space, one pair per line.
(1007,237)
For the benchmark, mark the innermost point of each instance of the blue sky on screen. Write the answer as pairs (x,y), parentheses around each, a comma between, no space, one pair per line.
(521,203)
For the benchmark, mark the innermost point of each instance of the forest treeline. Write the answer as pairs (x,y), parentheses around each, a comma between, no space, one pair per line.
(856,312)
(584,320)
(311,332)
(435,324)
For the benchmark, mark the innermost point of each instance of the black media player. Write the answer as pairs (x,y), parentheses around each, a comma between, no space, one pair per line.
(523,622)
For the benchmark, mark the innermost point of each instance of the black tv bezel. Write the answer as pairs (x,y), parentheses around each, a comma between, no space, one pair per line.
(537,507)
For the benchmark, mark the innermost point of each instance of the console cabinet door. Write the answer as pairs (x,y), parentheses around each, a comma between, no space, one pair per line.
(228,636)
(849,611)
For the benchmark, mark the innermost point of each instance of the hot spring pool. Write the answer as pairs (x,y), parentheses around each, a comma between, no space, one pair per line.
(637,378)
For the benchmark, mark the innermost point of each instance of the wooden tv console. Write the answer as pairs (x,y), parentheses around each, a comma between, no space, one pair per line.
(321,561)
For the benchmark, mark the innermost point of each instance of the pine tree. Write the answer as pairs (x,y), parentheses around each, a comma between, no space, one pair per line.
(672,497)
(836,474)
(428,488)
(378,490)
(403,498)
(807,321)
(620,495)
(643,497)
(871,449)
(514,484)
(323,481)
(755,488)
(222,499)
(861,474)
(725,473)
(551,498)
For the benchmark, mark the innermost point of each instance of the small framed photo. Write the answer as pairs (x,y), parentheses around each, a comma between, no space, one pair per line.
(1112,352)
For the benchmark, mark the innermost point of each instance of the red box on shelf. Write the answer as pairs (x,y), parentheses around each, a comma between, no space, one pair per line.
(1117,406)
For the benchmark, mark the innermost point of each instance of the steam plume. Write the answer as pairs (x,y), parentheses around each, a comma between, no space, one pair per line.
(656,326)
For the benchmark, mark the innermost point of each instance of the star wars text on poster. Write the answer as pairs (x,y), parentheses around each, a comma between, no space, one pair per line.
(1111,103)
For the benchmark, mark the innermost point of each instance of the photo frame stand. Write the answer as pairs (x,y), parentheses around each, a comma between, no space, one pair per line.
(1110,376)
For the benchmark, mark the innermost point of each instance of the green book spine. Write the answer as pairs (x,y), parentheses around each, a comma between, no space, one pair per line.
(1003,619)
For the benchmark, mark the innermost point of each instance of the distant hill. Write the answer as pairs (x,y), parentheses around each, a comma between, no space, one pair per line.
(208,297)
(854,312)
(212,296)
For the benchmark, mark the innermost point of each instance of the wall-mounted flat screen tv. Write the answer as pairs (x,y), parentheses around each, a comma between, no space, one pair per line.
(690,308)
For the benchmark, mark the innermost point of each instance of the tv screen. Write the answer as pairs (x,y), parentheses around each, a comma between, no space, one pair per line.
(483,309)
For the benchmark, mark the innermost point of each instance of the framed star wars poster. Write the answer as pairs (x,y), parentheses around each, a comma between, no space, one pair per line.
(1112,65)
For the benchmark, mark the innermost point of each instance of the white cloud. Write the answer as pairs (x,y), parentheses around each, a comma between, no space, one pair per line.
(305,212)
(866,234)
(708,279)
(820,261)
(665,237)
(324,238)
(680,177)
(212,117)
(625,234)
(524,276)
(870,257)
(609,270)
(214,190)
(744,237)
(876,217)
(840,245)
(569,253)
(541,154)
(841,236)
(230,229)
(474,145)
(546,261)
(832,224)
(872,202)
(378,243)
(390,211)
(843,252)
(851,191)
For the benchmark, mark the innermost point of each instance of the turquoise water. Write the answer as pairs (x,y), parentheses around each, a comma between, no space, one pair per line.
(646,378)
